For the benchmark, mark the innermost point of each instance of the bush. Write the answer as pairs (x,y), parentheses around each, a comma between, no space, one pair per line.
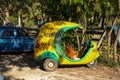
(14,20)
(108,62)
(29,23)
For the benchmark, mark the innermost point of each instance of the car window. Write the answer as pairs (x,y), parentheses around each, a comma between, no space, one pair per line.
(1,32)
(21,33)
(8,32)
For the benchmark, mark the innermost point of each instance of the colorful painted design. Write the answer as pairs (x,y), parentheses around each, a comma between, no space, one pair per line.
(48,44)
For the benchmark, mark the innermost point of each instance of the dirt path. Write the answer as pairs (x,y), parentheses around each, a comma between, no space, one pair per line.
(23,67)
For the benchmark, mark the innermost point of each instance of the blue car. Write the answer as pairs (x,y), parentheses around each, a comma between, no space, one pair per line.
(15,39)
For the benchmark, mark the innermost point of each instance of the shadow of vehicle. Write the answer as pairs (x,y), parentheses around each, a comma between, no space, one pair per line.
(20,60)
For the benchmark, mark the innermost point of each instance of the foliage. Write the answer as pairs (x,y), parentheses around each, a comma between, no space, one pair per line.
(110,62)
(71,37)
(70,10)
(14,20)
(29,23)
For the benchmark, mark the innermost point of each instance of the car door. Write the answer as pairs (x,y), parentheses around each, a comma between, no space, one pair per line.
(7,39)
(25,41)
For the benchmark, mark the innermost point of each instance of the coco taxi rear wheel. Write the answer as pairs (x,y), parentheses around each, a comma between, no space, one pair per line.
(92,64)
(50,64)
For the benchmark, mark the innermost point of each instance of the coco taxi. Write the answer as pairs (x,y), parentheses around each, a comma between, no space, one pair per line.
(49,50)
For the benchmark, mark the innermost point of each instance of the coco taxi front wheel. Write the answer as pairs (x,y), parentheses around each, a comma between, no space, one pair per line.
(50,64)
(92,64)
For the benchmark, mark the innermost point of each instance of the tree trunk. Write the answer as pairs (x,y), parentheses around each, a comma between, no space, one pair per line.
(78,41)
(102,23)
(109,37)
(6,12)
(84,29)
(19,19)
(108,47)
(119,4)
(114,22)
(115,51)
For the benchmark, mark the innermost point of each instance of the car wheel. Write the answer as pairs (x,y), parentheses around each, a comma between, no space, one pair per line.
(92,64)
(50,64)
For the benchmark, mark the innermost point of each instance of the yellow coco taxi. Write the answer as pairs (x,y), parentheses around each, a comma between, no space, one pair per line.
(49,48)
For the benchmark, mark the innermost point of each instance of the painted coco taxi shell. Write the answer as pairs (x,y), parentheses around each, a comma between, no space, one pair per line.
(48,46)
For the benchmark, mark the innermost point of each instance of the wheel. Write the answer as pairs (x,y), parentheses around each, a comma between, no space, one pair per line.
(92,64)
(50,64)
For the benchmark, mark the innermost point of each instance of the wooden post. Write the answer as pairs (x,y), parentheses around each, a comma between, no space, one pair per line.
(109,37)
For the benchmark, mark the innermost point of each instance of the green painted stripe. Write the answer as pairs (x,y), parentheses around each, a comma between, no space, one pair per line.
(61,54)
(48,54)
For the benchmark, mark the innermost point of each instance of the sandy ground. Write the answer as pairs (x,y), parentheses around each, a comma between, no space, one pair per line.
(24,67)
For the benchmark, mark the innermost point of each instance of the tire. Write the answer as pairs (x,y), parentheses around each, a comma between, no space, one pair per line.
(50,64)
(92,64)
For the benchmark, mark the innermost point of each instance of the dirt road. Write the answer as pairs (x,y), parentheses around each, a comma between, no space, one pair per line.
(24,67)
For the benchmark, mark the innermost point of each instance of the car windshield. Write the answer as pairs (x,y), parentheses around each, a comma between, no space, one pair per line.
(8,32)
